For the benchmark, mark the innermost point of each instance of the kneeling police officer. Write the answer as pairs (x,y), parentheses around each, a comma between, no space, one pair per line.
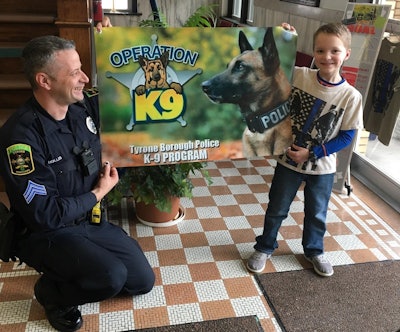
(50,159)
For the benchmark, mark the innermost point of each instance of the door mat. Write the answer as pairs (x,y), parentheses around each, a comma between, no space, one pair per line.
(361,297)
(235,324)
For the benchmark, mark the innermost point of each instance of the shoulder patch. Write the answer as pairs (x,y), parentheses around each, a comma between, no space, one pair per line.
(20,159)
(91,92)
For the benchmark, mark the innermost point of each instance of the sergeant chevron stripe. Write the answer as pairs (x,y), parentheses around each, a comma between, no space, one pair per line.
(34,189)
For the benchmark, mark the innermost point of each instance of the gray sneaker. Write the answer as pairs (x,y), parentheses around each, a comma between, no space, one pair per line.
(321,265)
(256,262)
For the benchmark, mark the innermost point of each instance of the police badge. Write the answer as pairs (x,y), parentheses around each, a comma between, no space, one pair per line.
(91,125)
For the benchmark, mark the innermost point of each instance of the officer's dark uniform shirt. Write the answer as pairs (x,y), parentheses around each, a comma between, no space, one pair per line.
(40,164)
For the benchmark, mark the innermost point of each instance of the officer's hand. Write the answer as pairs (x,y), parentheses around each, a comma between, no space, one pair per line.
(107,180)
(106,22)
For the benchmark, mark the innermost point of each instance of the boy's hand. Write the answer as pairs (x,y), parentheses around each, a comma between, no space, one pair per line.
(298,154)
(288,27)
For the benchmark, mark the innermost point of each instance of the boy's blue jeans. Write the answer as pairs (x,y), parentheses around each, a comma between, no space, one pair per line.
(317,192)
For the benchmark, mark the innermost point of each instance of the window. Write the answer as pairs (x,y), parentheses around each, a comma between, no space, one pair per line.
(242,10)
(237,8)
(117,5)
(395,11)
(250,15)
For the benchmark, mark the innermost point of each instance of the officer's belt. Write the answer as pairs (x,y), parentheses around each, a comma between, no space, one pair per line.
(94,216)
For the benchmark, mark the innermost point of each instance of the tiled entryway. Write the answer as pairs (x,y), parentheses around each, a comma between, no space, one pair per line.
(199,263)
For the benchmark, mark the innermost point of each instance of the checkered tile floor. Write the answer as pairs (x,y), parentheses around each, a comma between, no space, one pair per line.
(199,263)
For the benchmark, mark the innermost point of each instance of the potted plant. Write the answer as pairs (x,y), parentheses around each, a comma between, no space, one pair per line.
(204,16)
(156,190)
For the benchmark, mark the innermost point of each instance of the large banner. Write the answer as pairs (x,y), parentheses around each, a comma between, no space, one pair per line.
(367,23)
(174,95)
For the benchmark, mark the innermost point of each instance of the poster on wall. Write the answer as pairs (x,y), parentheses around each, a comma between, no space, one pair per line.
(367,23)
(175,95)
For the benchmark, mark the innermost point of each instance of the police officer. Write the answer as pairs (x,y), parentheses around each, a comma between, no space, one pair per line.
(50,160)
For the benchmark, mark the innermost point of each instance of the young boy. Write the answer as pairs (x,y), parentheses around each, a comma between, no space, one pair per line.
(326,112)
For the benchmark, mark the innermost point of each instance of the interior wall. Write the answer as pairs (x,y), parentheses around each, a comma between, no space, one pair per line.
(335,5)
(305,19)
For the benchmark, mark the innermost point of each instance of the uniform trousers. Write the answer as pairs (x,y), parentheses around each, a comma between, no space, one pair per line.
(86,263)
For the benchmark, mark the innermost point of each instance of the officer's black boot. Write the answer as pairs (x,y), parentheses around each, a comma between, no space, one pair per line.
(63,319)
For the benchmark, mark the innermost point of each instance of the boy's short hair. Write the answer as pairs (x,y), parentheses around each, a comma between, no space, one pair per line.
(338,29)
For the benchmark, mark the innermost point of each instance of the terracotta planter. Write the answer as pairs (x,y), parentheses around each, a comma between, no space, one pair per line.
(149,215)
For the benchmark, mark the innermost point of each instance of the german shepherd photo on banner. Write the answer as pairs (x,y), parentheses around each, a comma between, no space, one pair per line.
(255,81)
